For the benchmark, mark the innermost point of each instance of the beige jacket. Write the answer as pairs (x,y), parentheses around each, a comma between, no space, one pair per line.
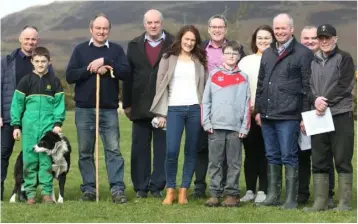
(165,75)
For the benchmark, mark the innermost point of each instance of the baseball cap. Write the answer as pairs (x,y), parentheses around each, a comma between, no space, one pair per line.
(326,30)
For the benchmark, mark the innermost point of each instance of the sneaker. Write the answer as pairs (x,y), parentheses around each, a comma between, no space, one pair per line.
(157,194)
(249,196)
(88,196)
(141,194)
(119,197)
(260,197)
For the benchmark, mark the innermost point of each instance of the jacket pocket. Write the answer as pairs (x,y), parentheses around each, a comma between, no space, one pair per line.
(289,98)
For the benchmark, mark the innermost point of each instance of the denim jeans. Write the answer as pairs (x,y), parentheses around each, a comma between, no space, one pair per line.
(180,117)
(85,119)
(280,137)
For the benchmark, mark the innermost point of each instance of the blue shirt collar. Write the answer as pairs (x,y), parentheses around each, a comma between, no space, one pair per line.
(162,37)
(105,44)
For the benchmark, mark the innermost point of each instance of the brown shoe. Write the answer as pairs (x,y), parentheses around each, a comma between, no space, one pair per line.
(183,196)
(31,201)
(47,199)
(212,202)
(169,197)
(231,201)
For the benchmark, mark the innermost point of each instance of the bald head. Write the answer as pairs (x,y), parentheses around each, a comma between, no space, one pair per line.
(28,40)
(283,28)
(153,23)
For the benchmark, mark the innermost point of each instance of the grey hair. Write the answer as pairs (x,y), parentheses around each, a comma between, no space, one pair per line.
(290,19)
(309,27)
(100,15)
(161,17)
(218,16)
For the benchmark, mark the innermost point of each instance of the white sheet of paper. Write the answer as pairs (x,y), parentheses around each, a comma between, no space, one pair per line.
(315,124)
(304,141)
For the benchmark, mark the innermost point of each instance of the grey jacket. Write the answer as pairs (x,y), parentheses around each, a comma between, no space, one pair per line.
(165,75)
(226,101)
(333,78)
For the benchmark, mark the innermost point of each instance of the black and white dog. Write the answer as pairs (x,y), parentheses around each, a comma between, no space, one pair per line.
(58,147)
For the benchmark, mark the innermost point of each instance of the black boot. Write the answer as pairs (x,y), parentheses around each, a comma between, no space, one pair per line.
(274,175)
(345,192)
(320,181)
(291,188)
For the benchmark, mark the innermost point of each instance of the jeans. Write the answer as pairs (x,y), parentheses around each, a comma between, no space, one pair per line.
(85,119)
(280,137)
(180,117)
(7,146)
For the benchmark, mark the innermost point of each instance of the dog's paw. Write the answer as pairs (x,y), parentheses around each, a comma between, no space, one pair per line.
(13,198)
(60,200)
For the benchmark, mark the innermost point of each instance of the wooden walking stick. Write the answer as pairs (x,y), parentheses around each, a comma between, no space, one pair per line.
(98,82)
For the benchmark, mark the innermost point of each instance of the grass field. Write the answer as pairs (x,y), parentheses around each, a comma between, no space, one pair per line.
(149,209)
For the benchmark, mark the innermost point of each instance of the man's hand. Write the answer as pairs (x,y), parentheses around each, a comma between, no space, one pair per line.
(321,104)
(162,122)
(1,124)
(258,119)
(95,65)
(127,112)
(56,129)
(211,131)
(302,127)
(102,70)
(16,134)
(320,113)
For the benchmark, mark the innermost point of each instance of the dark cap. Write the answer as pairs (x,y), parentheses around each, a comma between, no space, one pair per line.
(326,30)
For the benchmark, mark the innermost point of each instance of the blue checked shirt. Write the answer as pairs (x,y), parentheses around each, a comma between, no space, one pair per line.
(282,48)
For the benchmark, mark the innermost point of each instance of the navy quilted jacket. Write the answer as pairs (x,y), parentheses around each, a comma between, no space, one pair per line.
(8,83)
(283,87)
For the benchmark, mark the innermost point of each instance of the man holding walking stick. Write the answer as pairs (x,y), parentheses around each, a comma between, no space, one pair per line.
(97,57)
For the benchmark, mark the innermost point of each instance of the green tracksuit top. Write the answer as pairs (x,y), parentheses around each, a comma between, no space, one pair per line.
(37,106)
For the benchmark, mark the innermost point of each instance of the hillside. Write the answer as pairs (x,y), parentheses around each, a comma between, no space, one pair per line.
(64,24)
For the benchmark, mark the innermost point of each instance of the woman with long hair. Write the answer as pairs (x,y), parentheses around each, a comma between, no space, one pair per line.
(255,164)
(180,85)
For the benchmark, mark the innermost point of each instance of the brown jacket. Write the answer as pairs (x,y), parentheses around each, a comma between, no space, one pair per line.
(165,75)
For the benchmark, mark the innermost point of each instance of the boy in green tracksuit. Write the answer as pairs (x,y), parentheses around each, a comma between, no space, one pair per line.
(38,106)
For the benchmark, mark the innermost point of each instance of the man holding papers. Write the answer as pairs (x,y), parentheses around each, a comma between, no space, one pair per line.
(331,83)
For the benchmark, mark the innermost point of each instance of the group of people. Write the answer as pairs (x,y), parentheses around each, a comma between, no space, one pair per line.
(222,98)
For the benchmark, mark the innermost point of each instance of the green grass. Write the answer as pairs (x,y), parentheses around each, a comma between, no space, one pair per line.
(149,209)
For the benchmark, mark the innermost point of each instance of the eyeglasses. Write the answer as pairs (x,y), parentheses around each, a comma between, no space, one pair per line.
(231,53)
(217,27)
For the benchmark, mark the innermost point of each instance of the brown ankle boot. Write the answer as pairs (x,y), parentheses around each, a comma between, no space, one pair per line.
(169,196)
(231,201)
(31,201)
(183,196)
(212,202)
(47,199)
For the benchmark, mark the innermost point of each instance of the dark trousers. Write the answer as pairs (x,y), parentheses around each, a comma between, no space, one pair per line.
(339,142)
(202,160)
(141,167)
(304,172)
(255,164)
(7,145)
